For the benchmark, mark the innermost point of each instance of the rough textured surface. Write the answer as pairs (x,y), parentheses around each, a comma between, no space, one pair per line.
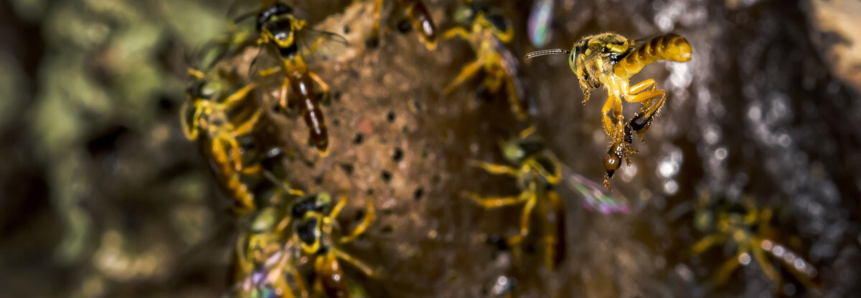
(101,195)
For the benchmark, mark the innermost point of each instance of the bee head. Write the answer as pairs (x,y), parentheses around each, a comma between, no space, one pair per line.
(311,203)
(278,25)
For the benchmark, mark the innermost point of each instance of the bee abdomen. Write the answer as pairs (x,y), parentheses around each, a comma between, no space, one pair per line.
(669,47)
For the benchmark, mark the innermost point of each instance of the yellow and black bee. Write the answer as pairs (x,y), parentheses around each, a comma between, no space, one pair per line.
(487,31)
(208,115)
(266,260)
(537,172)
(316,226)
(610,60)
(285,41)
(747,228)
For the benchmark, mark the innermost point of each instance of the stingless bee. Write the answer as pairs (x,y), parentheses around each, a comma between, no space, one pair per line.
(610,60)
(266,259)
(284,37)
(537,172)
(213,98)
(419,17)
(746,227)
(487,31)
(316,222)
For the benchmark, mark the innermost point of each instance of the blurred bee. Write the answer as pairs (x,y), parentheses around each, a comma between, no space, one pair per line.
(610,60)
(420,19)
(284,38)
(537,172)
(314,233)
(746,227)
(486,31)
(212,100)
(266,259)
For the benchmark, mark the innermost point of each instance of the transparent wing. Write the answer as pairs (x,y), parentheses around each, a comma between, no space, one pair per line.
(317,45)
(265,69)
(596,197)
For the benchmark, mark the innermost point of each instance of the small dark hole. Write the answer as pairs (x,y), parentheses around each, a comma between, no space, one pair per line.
(387,229)
(391,117)
(372,43)
(419,193)
(318,180)
(336,96)
(398,155)
(348,168)
(369,192)
(435,178)
(336,122)
(359,139)
(404,26)
(417,105)
(360,215)
(346,29)
(498,241)
(386,176)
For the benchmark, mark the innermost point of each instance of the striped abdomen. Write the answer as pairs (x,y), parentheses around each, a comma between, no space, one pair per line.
(670,47)
(303,88)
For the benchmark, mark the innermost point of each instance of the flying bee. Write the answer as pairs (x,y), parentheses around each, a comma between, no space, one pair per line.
(212,99)
(537,172)
(610,60)
(419,17)
(283,39)
(314,231)
(487,31)
(746,227)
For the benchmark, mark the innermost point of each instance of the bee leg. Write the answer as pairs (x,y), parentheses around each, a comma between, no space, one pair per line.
(190,127)
(727,268)
(704,244)
(248,125)
(643,119)
(338,207)
(370,216)
(282,97)
(355,262)
(496,202)
(528,131)
(586,91)
(608,123)
(468,71)
(514,98)
(495,168)
(237,96)
(324,88)
(554,231)
(457,31)
(760,258)
(269,71)
(524,220)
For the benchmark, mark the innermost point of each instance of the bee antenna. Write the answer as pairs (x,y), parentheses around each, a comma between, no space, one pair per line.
(547,52)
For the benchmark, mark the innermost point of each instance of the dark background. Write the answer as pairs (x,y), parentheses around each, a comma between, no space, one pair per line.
(101,195)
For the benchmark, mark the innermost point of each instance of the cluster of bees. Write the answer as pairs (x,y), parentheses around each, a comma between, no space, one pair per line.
(291,237)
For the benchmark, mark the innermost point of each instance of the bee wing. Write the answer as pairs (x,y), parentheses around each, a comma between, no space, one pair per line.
(317,45)
(265,68)
(596,197)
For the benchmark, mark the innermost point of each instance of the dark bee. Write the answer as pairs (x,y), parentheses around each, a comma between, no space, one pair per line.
(285,37)
(744,226)
(316,222)
(537,172)
(487,31)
